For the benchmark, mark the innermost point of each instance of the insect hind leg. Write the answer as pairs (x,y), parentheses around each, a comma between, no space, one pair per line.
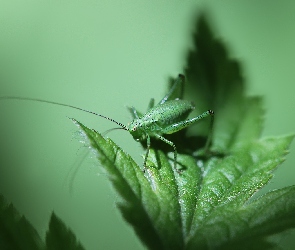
(209,138)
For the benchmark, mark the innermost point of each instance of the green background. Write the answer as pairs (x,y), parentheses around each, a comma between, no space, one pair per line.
(104,56)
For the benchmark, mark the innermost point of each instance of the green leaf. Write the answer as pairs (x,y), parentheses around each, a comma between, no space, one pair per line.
(208,205)
(59,237)
(167,209)
(250,125)
(151,200)
(253,244)
(15,231)
(228,227)
(216,82)
(222,202)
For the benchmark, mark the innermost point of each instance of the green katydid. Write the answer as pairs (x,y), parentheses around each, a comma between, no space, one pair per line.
(167,117)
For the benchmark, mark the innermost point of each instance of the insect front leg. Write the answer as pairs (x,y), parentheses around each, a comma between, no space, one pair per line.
(148,145)
(135,113)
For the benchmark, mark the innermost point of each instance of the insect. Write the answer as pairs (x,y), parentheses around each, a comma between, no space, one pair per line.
(167,117)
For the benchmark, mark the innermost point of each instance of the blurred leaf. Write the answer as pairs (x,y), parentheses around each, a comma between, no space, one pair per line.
(15,231)
(215,81)
(59,237)
(251,122)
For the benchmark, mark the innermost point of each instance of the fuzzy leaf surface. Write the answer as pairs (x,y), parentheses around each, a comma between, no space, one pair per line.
(158,203)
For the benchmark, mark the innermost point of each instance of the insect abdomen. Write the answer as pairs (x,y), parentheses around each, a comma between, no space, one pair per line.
(169,112)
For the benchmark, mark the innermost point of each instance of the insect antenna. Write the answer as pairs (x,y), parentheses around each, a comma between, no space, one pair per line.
(109,130)
(61,104)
